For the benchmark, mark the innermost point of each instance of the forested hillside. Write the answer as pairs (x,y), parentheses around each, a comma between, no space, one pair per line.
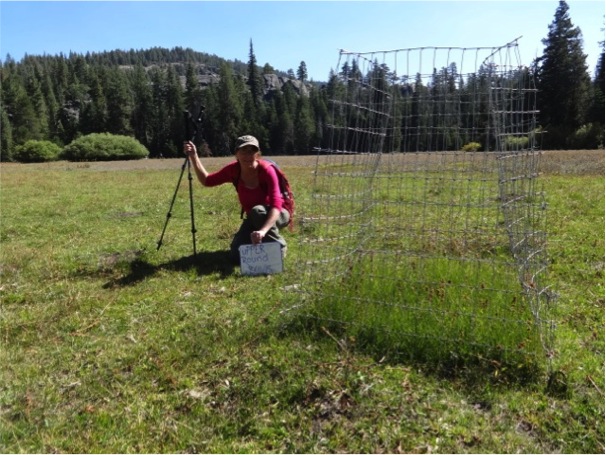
(144,93)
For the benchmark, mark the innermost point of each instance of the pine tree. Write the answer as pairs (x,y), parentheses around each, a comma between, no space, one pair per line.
(282,129)
(94,113)
(38,125)
(19,109)
(51,102)
(60,77)
(174,102)
(302,72)
(254,79)
(160,124)
(597,111)
(6,137)
(319,105)
(142,113)
(268,69)
(271,121)
(230,110)
(599,71)
(193,93)
(304,126)
(210,99)
(562,80)
(419,121)
(595,131)
(118,103)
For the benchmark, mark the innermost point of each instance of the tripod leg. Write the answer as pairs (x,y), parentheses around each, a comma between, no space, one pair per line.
(191,206)
(170,209)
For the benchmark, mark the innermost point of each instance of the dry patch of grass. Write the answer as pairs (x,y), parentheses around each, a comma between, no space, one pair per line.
(578,162)
(573,162)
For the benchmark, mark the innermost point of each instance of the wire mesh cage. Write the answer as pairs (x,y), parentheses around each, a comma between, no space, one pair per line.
(424,236)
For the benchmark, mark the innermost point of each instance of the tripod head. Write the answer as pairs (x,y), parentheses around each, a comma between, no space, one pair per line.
(191,124)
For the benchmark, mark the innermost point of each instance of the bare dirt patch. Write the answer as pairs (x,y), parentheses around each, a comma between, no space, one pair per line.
(578,162)
(155,164)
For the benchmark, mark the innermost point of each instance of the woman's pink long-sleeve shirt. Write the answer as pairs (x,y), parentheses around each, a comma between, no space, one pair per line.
(267,193)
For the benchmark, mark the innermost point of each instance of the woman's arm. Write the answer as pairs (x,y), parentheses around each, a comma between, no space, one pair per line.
(272,217)
(190,150)
(275,201)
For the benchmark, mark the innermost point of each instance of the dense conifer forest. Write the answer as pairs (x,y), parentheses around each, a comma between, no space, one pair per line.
(143,94)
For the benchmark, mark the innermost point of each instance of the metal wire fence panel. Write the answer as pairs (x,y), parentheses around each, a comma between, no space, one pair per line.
(425,232)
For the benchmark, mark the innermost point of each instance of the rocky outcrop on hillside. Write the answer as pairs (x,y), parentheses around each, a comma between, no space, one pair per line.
(271,82)
(276,83)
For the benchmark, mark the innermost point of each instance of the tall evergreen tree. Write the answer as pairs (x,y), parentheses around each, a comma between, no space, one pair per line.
(230,111)
(142,113)
(271,121)
(319,105)
(254,79)
(51,102)
(38,125)
(282,129)
(19,109)
(174,101)
(599,70)
(160,125)
(119,105)
(562,81)
(420,117)
(94,113)
(304,126)
(595,131)
(210,99)
(597,111)
(6,137)
(193,93)
(302,72)
(60,77)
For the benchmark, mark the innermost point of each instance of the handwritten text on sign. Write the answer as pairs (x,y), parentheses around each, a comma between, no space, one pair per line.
(261,259)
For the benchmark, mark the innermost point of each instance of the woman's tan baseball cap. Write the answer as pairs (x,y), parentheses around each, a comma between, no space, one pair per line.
(243,141)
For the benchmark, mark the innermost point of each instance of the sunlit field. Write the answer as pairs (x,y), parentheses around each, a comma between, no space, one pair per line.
(111,345)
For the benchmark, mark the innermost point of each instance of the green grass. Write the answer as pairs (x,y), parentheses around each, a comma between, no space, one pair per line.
(108,345)
(436,311)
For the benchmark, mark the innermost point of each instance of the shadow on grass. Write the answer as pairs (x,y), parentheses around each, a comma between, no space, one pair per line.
(472,366)
(204,263)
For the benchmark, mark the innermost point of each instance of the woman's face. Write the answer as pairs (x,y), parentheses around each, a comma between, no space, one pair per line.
(247,155)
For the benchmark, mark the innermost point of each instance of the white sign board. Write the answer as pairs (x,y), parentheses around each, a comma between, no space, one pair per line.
(261,259)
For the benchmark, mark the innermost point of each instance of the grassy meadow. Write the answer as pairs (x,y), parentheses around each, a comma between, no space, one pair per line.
(108,345)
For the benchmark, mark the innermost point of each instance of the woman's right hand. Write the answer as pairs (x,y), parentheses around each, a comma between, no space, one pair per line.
(189,148)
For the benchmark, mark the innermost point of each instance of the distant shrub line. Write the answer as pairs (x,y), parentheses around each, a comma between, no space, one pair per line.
(92,147)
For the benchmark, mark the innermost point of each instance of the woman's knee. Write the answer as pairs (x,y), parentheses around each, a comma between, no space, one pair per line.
(258,215)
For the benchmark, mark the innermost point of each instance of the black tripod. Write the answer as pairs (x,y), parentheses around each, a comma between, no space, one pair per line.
(191,127)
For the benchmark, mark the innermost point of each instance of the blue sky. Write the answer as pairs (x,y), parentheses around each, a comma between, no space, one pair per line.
(286,32)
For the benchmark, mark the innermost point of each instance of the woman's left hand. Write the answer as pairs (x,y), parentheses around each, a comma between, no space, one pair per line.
(256,237)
